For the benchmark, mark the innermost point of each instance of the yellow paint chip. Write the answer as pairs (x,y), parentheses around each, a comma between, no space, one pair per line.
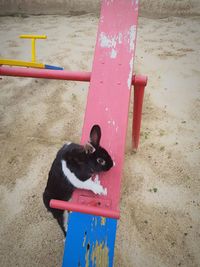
(100,255)
(103,220)
(87,261)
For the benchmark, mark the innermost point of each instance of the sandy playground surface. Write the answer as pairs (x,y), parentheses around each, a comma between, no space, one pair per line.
(160,200)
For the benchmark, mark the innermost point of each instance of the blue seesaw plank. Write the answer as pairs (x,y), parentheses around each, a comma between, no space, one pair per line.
(90,241)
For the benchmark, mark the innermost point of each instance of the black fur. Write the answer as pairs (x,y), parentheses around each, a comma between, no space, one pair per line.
(83,161)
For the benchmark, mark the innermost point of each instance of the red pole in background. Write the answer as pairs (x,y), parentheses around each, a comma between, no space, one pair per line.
(83,76)
(138,81)
(139,85)
(46,73)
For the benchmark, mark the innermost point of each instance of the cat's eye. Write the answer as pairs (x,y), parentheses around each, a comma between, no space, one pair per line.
(101,161)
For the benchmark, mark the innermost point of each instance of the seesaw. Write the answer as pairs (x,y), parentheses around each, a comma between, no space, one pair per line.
(32,63)
(92,223)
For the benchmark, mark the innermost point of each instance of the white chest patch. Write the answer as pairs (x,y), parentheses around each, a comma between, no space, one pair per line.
(94,186)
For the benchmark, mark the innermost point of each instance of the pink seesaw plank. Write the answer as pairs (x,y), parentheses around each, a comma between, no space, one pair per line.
(109,97)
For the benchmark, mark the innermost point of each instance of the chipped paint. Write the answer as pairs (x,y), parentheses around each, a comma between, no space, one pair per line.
(129,82)
(102,19)
(65,218)
(100,255)
(95,222)
(106,41)
(132,34)
(113,53)
(110,42)
(84,240)
(120,38)
(111,122)
(108,2)
(135,2)
(87,260)
(103,220)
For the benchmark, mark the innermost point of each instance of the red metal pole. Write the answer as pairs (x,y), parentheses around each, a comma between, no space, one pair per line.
(139,85)
(47,74)
(66,205)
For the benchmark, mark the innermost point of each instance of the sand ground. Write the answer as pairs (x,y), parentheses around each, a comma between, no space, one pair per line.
(160,212)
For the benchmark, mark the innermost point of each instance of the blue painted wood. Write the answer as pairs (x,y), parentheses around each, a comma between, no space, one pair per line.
(52,67)
(90,241)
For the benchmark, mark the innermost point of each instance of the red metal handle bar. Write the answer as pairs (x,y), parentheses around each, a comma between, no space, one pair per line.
(65,205)
(45,73)
(58,74)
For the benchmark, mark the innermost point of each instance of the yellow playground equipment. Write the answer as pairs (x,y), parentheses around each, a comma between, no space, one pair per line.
(33,63)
